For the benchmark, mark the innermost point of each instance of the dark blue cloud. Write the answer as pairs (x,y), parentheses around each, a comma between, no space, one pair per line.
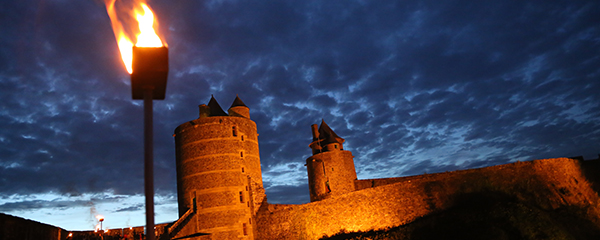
(413,87)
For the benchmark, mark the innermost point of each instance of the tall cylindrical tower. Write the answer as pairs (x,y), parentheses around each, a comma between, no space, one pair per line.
(331,169)
(218,171)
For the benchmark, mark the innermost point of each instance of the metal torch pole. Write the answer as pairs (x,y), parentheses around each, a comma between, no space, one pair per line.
(148,163)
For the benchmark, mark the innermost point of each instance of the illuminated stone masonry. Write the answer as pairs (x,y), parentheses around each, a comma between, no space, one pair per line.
(221,195)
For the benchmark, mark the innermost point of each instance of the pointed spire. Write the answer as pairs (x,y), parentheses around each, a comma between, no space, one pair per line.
(238,102)
(215,108)
(328,135)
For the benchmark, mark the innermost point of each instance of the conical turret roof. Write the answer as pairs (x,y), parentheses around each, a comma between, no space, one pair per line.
(215,108)
(238,102)
(328,135)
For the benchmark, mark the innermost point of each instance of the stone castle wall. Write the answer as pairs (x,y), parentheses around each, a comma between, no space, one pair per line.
(220,189)
(370,183)
(16,228)
(550,183)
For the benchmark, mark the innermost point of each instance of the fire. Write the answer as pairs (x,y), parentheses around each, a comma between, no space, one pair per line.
(133,24)
(97,228)
(100,218)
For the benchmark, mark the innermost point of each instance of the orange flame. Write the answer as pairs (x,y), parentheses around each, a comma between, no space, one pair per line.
(100,218)
(133,24)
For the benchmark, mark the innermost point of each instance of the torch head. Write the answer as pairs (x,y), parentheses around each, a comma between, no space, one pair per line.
(150,67)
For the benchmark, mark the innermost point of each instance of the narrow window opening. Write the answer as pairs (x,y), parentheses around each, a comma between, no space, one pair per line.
(335,146)
(242,169)
(241,197)
(246,188)
(194,200)
(248,204)
(245,229)
(249,220)
(234,131)
(242,137)
(241,154)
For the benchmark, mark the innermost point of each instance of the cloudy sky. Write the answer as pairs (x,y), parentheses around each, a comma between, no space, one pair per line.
(413,86)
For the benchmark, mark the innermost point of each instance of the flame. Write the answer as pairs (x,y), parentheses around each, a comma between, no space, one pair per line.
(134,24)
(100,218)
(97,228)
(147,36)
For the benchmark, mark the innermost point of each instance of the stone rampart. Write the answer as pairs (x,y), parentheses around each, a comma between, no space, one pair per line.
(16,228)
(549,183)
(370,183)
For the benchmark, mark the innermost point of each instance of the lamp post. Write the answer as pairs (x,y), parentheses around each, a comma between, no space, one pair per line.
(150,66)
(101,219)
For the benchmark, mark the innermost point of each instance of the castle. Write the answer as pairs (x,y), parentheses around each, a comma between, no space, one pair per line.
(221,195)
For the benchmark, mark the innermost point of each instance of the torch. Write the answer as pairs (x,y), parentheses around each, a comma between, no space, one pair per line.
(100,219)
(148,82)
(148,63)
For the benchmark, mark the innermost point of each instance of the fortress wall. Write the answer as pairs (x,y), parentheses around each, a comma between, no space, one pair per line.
(277,207)
(592,172)
(550,183)
(566,183)
(369,183)
(16,228)
(117,233)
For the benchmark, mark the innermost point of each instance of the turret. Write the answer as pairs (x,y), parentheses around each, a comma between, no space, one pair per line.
(204,110)
(219,179)
(325,139)
(239,109)
(331,168)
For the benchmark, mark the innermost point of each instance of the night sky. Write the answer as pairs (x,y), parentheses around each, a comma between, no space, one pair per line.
(413,86)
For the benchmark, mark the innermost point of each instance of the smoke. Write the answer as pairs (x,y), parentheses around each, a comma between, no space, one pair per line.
(92,218)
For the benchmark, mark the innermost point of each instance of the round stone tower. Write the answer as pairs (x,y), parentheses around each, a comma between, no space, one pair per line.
(219,179)
(331,168)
